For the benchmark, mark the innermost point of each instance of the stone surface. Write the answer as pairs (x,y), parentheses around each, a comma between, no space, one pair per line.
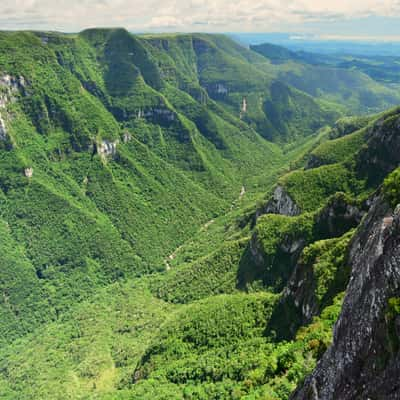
(127,137)
(3,130)
(10,87)
(217,90)
(381,155)
(28,172)
(159,114)
(281,203)
(299,297)
(362,362)
(107,148)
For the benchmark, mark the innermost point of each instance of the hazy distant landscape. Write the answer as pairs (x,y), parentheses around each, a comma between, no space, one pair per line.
(319,44)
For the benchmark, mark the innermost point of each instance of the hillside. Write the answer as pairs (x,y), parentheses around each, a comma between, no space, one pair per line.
(178,222)
(241,82)
(91,196)
(352,81)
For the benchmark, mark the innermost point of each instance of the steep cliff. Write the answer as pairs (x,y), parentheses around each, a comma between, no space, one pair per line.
(280,203)
(363,361)
(320,271)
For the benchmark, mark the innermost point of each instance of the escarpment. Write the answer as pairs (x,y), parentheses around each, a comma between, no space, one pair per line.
(363,361)
(320,271)
(278,240)
(381,156)
(10,88)
(280,203)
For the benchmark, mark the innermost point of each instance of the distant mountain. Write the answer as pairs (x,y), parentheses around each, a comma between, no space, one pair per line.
(314,44)
(348,81)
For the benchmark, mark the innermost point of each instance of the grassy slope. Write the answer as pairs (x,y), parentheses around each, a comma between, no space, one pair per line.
(338,167)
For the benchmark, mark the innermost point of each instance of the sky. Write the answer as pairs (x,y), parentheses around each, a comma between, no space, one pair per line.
(334,18)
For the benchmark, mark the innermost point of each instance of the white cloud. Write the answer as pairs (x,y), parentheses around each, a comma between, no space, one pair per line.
(211,15)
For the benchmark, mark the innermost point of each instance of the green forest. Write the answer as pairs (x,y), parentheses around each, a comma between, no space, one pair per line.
(177,213)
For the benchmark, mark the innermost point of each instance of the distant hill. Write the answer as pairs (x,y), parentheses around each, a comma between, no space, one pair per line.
(314,44)
(359,84)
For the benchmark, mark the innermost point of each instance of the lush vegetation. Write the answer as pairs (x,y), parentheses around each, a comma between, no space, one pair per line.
(327,258)
(353,83)
(210,349)
(135,262)
(93,218)
(391,187)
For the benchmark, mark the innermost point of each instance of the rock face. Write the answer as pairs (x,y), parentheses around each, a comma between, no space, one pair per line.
(160,114)
(333,221)
(299,303)
(127,137)
(381,156)
(364,361)
(275,270)
(281,203)
(220,88)
(338,216)
(10,87)
(28,172)
(107,148)
(3,130)
(217,90)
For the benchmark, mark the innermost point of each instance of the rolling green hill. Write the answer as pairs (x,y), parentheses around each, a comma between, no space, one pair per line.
(340,80)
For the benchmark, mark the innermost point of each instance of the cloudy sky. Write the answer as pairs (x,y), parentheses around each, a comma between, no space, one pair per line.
(373,18)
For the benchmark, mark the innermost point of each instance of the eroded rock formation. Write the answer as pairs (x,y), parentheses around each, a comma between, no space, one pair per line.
(281,203)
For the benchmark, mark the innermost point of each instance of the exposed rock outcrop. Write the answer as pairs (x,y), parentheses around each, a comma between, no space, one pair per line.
(3,130)
(381,155)
(107,148)
(161,114)
(127,137)
(10,87)
(339,215)
(220,88)
(299,302)
(363,361)
(200,46)
(280,203)
(274,267)
(217,90)
(28,172)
